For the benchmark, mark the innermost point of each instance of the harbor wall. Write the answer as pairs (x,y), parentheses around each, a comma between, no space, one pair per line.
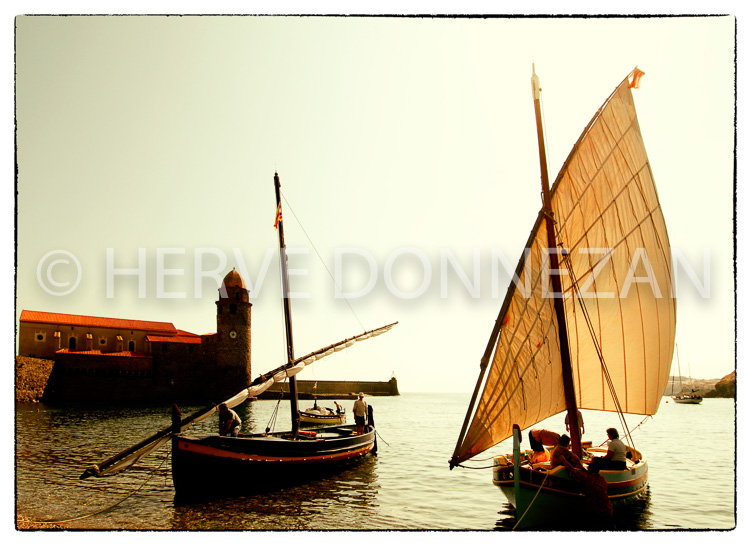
(345,390)
(140,381)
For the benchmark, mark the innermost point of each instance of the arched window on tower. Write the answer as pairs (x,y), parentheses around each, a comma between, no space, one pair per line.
(131,345)
(232,309)
(72,343)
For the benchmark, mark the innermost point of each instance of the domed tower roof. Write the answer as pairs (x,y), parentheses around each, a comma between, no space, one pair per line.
(234,280)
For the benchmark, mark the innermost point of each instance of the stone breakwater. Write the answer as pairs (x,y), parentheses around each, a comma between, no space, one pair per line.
(345,390)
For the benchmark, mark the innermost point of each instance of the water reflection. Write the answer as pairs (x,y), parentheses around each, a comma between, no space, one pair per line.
(406,487)
(632,517)
(347,497)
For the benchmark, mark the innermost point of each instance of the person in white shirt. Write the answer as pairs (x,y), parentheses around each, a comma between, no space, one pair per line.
(615,458)
(360,410)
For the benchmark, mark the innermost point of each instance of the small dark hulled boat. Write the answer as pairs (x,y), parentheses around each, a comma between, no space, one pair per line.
(258,462)
(207,465)
(692,397)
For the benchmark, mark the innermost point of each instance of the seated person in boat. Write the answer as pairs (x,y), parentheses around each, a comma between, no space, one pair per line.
(339,409)
(597,505)
(539,453)
(545,437)
(360,410)
(562,453)
(229,422)
(615,458)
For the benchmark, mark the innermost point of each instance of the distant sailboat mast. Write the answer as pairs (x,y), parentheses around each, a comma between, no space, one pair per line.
(560,312)
(680,378)
(294,410)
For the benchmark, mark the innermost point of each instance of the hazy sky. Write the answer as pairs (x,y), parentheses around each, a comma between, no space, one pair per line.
(395,139)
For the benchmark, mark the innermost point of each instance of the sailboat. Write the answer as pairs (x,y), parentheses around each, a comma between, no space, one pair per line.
(588,320)
(692,397)
(322,415)
(209,464)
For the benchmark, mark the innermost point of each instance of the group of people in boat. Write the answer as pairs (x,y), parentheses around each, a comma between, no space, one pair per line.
(230,422)
(327,411)
(595,487)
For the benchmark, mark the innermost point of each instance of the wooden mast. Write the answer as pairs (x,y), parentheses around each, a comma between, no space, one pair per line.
(294,411)
(560,313)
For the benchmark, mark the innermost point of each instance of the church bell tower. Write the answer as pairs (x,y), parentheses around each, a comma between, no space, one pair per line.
(233,332)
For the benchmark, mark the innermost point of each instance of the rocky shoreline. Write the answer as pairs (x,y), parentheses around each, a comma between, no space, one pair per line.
(31,378)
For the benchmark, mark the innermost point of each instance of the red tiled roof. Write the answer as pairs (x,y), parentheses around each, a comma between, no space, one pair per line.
(97,322)
(191,338)
(97,352)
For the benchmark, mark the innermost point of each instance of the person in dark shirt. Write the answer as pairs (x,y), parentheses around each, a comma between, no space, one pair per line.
(562,453)
(229,422)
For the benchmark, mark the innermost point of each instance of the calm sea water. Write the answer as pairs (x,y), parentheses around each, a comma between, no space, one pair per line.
(408,486)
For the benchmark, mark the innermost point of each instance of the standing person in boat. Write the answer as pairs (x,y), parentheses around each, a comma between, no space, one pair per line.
(543,436)
(615,458)
(597,504)
(562,453)
(360,410)
(581,422)
(229,422)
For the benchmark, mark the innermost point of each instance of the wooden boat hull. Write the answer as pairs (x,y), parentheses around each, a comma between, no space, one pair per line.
(545,499)
(314,419)
(209,465)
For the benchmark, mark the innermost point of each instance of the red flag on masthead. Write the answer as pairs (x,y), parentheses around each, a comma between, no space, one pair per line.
(278,216)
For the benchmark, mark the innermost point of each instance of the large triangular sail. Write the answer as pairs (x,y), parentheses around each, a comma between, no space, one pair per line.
(127,458)
(608,220)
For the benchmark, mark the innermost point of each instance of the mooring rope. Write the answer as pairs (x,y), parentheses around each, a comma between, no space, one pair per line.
(381,437)
(531,503)
(151,474)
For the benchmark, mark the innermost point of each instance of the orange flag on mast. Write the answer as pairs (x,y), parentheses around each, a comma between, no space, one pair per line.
(637,74)
(278,216)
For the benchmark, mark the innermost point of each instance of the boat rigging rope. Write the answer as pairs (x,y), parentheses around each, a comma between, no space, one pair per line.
(632,430)
(475,467)
(590,326)
(151,475)
(339,288)
(272,420)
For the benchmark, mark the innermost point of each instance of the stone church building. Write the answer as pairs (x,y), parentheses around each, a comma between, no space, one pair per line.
(101,359)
